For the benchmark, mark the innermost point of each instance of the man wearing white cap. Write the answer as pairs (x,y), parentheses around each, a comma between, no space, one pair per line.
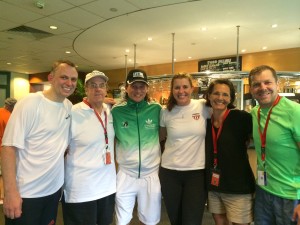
(136,123)
(90,180)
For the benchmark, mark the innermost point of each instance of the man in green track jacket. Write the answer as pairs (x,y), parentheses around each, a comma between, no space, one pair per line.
(136,124)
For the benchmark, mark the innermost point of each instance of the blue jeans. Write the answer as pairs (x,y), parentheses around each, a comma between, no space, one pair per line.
(272,210)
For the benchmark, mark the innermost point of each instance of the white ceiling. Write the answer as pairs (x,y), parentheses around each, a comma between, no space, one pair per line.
(97,32)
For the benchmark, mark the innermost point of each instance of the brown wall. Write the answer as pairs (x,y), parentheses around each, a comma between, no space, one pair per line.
(281,60)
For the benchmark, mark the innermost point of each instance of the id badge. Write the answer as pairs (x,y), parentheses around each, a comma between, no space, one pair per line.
(261,178)
(215,177)
(107,158)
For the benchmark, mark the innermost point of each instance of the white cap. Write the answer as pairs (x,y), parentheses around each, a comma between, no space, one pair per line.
(95,73)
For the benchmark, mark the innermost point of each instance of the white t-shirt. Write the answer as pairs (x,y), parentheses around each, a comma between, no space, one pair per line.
(87,177)
(186,128)
(39,129)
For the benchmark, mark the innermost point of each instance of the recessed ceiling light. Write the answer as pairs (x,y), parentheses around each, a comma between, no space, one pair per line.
(204,29)
(129,60)
(174,59)
(149,38)
(243,50)
(113,9)
(274,25)
(189,57)
(127,50)
(8,63)
(67,52)
(53,27)
(264,48)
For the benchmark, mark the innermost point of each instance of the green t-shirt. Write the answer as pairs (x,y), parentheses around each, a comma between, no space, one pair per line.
(282,163)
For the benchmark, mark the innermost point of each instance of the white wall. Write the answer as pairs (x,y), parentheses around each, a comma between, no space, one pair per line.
(19,85)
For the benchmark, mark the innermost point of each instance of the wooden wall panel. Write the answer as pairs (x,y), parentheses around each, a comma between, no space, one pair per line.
(281,60)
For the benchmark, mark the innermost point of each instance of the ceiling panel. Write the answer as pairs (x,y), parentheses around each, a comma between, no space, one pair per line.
(97,36)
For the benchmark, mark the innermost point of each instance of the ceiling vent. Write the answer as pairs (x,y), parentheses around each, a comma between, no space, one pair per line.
(29,31)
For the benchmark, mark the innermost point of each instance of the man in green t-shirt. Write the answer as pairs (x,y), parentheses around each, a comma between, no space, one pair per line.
(276,134)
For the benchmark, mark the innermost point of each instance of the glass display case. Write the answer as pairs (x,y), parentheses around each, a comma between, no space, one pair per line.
(289,86)
(159,86)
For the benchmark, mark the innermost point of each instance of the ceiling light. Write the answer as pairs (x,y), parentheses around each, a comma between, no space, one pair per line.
(274,25)
(8,63)
(174,59)
(113,9)
(244,50)
(53,27)
(129,60)
(149,38)
(40,4)
(189,57)
(67,52)
(127,50)
(264,48)
(204,29)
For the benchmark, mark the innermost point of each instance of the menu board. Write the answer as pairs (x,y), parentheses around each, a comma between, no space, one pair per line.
(220,64)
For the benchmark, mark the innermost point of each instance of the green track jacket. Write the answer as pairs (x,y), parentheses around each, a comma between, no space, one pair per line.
(137,137)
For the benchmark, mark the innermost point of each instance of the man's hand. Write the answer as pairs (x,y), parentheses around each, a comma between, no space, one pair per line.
(12,205)
(109,101)
(296,214)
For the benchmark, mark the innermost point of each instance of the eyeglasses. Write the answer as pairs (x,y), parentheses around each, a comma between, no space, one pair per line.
(95,86)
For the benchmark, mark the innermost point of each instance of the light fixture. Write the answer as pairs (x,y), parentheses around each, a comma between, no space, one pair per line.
(204,29)
(127,50)
(264,48)
(52,27)
(274,25)
(113,9)
(149,38)
(189,57)
(243,50)
(8,63)
(67,52)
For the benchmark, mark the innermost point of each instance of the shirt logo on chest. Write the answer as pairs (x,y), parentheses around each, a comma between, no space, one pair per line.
(196,116)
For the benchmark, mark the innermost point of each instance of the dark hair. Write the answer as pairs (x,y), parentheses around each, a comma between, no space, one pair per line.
(259,69)
(61,61)
(126,97)
(211,88)
(171,100)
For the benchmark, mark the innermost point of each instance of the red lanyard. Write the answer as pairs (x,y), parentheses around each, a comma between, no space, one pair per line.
(100,120)
(216,136)
(263,136)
